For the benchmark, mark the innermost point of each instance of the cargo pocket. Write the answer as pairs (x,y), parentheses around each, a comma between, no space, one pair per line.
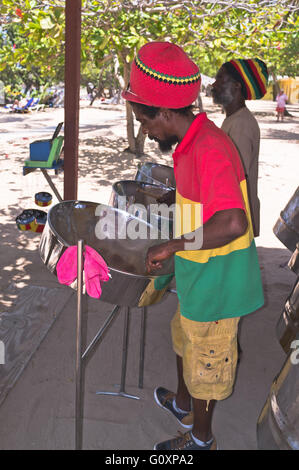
(215,364)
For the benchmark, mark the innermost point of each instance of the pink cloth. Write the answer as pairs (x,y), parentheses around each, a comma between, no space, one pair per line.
(95,269)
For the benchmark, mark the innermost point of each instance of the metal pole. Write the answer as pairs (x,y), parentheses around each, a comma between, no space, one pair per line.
(50,182)
(142,346)
(79,400)
(125,350)
(101,331)
(72,97)
(121,392)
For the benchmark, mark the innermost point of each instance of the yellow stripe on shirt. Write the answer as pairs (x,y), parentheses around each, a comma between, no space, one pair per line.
(203,256)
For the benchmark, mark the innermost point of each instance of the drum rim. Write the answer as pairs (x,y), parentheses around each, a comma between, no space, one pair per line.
(60,239)
(141,183)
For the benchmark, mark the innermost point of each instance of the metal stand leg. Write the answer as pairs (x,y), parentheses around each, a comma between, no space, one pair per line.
(51,184)
(142,346)
(79,394)
(101,331)
(79,356)
(121,392)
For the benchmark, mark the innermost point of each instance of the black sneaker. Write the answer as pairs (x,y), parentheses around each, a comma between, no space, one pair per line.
(164,398)
(184,442)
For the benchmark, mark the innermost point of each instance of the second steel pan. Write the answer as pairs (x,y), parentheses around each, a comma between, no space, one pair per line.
(155,173)
(130,195)
(288,324)
(287,226)
(277,426)
(122,240)
(294,260)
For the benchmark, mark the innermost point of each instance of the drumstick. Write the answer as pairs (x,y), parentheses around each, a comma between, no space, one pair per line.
(148,193)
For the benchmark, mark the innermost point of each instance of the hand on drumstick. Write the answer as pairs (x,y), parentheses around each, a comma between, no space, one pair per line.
(155,255)
(167,198)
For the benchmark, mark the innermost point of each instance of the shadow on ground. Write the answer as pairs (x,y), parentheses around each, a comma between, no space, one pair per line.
(109,161)
(108,424)
(280,134)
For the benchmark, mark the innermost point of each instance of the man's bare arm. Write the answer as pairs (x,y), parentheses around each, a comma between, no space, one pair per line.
(222,228)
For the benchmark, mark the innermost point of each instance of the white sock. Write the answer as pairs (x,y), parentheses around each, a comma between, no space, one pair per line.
(177,409)
(201,443)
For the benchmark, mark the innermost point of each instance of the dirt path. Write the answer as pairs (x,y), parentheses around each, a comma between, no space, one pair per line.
(47,385)
(102,162)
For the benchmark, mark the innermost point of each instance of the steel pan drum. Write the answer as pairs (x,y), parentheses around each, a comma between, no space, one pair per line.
(287,226)
(294,261)
(278,423)
(105,229)
(161,175)
(126,194)
(288,324)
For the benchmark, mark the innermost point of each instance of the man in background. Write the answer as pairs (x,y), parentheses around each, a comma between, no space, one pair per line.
(236,81)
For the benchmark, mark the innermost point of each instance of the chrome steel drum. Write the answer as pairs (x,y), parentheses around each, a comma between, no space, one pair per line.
(287,226)
(278,423)
(133,195)
(161,175)
(122,240)
(294,261)
(287,327)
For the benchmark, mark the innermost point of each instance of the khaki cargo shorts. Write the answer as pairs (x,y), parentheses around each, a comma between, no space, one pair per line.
(209,352)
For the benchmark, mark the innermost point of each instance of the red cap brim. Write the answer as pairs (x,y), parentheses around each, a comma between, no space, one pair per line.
(130,96)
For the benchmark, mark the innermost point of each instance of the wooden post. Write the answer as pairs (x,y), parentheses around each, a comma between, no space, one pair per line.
(72,97)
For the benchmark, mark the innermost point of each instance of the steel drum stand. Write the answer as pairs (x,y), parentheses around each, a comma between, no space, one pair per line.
(81,357)
(121,392)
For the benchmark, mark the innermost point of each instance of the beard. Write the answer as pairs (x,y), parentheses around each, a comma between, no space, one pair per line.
(223,97)
(166,144)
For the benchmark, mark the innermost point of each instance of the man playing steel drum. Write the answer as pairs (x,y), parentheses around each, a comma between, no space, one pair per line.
(216,266)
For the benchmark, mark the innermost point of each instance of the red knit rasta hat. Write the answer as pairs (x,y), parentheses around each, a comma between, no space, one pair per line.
(162,75)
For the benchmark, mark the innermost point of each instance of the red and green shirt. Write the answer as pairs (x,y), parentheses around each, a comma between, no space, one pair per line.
(222,282)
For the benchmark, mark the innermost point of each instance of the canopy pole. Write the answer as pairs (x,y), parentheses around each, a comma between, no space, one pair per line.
(72,97)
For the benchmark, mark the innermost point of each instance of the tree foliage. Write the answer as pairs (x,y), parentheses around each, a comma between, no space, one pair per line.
(211,31)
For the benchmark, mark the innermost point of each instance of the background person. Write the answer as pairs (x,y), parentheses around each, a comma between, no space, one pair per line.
(237,81)
(281,100)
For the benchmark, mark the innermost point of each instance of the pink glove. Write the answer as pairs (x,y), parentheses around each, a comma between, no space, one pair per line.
(67,266)
(95,269)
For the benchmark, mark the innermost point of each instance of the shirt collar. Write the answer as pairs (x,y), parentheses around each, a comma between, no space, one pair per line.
(195,127)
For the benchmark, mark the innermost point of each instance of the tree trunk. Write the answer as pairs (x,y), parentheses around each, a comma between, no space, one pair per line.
(276,88)
(199,103)
(97,92)
(139,142)
(136,144)
(130,129)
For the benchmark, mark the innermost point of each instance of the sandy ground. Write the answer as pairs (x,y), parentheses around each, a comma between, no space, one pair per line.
(38,412)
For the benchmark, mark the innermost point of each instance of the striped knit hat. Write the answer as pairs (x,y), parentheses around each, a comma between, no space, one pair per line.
(162,75)
(252,74)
